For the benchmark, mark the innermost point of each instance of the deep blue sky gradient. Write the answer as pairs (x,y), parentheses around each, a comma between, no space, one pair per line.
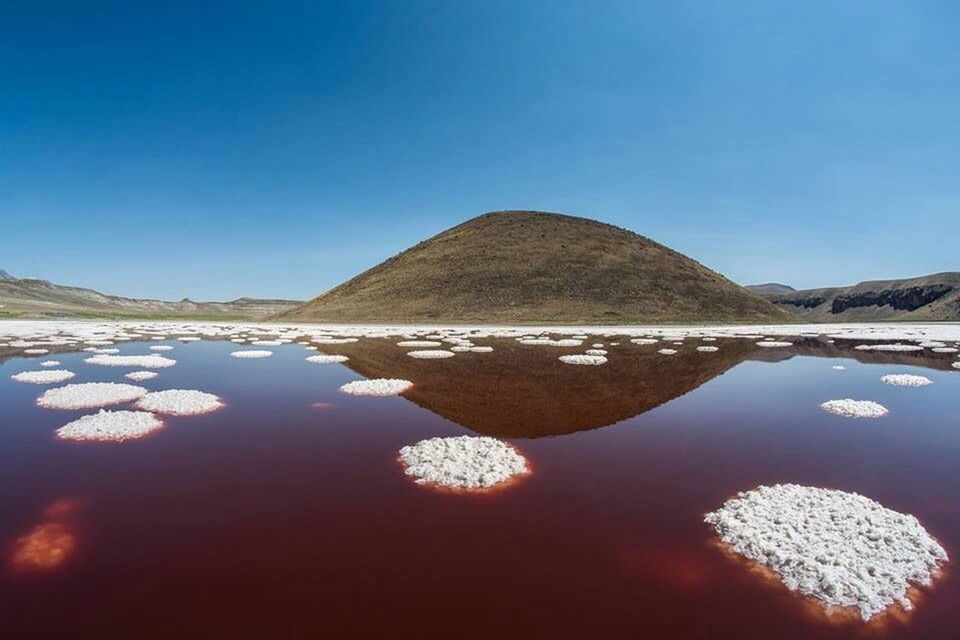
(214,150)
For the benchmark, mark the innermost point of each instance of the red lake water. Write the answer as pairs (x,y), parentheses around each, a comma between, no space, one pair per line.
(288,514)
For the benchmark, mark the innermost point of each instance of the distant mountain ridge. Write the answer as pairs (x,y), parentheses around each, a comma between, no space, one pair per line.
(926,298)
(29,297)
(534,267)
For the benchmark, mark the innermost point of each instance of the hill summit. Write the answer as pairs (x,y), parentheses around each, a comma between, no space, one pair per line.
(533,267)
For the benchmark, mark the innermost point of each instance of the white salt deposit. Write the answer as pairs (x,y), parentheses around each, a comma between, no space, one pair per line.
(839,547)
(377,387)
(48,376)
(774,343)
(141,375)
(89,394)
(50,363)
(325,359)
(642,341)
(179,402)
(481,349)
(906,380)
(108,350)
(944,350)
(161,347)
(36,352)
(110,426)
(252,353)
(839,367)
(583,359)
(419,343)
(956,365)
(888,347)
(667,352)
(267,343)
(151,361)
(855,408)
(596,352)
(463,462)
(707,349)
(431,354)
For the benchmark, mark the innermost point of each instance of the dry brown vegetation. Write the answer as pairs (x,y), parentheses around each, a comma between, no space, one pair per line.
(531,267)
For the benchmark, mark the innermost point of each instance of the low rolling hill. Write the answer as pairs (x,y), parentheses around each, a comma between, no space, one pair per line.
(34,298)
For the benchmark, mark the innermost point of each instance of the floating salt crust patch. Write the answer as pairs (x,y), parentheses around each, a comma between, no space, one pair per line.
(431,354)
(774,343)
(944,350)
(643,341)
(842,548)
(839,367)
(325,359)
(708,349)
(419,343)
(89,394)
(49,376)
(151,361)
(161,347)
(36,352)
(252,353)
(179,402)
(462,462)
(377,387)
(267,343)
(583,359)
(906,380)
(667,352)
(50,363)
(110,426)
(854,408)
(888,347)
(141,375)
(481,349)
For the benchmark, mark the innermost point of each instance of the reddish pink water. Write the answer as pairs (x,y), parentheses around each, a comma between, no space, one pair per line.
(275,517)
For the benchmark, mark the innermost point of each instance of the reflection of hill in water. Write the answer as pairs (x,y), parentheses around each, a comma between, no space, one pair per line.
(523,391)
(820,348)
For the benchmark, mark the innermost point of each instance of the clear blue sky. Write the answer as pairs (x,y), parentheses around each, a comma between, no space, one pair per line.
(214,150)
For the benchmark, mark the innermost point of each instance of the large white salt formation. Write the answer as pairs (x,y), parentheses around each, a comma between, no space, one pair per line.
(842,548)
(906,380)
(583,359)
(47,376)
(151,361)
(855,408)
(463,462)
(325,359)
(110,426)
(141,375)
(377,387)
(89,394)
(179,402)
(252,353)
(435,354)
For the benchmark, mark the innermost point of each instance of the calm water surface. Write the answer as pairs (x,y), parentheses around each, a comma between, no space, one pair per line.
(287,514)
